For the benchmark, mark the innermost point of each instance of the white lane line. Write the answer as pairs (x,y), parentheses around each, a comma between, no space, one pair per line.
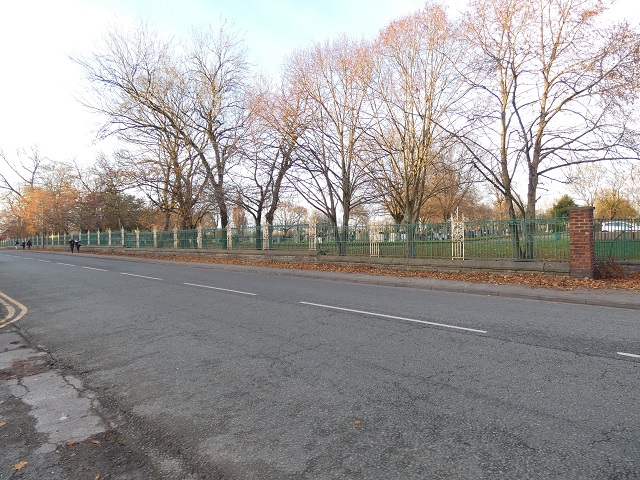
(99,269)
(67,264)
(46,261)
(140,276)
(632,355)
(218,288)
(396,318)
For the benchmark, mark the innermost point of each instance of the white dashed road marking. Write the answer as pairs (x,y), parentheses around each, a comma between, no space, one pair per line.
(140,276)
(218,288)
(632,355)
(396,318)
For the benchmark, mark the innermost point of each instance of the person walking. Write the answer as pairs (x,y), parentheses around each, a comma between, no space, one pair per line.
(29,243)
(71,244)
(23,244)
(17,244)
(78,244)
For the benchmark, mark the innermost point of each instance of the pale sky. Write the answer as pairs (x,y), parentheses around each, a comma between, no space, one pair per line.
(38,81)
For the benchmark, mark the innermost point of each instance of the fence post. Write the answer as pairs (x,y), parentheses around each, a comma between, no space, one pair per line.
(312,236)
(581,242)
(98,236)
(88,237)
(374,240)
(175,237)
(199,237)
(155,237)
(109,237)
(265,236)
(137,237)
(229,238)
(122,236)
(457,237)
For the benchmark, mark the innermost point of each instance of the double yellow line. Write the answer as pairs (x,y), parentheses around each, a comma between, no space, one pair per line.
(15,310)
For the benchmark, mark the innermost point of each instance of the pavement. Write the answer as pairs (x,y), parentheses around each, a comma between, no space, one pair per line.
(52,427)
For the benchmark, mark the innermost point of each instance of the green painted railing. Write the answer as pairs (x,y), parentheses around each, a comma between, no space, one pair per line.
(617,239)
(542,240)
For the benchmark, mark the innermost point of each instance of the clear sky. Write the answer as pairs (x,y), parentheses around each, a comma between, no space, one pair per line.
(38,81)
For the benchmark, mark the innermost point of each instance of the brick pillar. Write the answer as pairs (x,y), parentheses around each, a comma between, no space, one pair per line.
(581,242)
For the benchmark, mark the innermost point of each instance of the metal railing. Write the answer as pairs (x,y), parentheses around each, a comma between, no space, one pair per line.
(545,239)
(617,239)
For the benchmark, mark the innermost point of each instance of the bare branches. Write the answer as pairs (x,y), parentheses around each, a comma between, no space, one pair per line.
(333,77)
(557,85)
(414,87)
(182,105)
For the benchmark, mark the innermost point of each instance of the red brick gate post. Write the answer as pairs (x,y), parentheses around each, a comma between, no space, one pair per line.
(581,242)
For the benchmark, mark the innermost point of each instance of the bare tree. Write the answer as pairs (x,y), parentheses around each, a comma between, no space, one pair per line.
(21,179)
(331,174)
(215,121)
(634,185)
(274,128)
(587,181)
(291,214)
(457,188)
(553,88)
(22,171)
(184,103)
(114,186)
(414,86)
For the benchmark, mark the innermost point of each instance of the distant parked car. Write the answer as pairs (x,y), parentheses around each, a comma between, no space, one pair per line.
(620,226)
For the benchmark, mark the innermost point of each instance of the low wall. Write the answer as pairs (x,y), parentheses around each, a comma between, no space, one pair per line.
(630,266)
(556,269)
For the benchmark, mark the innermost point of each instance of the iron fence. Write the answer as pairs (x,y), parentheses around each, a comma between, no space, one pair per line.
(617,239)
(544,239)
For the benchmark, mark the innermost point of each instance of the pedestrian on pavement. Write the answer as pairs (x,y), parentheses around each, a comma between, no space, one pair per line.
(71,244)
(17,244)
(29,243)
(78,244)
(23,244)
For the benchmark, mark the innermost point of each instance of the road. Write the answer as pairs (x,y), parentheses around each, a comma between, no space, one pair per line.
(238,374)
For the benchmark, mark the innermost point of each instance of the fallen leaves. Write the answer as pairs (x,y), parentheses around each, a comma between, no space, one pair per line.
(2,424)
(20,465)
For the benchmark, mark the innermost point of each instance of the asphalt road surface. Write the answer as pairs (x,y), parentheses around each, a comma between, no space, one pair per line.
(243,375)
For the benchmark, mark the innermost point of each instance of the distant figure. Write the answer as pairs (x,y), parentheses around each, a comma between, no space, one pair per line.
(23,244)
(78,244)
(71,244)
(29,243)
(17,244)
